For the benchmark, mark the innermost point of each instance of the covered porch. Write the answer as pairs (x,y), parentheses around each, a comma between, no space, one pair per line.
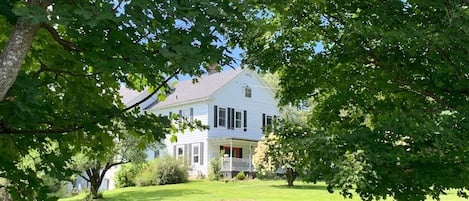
(236,155)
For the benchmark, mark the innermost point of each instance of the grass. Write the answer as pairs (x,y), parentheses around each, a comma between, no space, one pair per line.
(253,190)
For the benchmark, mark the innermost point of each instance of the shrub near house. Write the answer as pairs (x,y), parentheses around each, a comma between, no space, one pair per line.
(160,171)
(125,177)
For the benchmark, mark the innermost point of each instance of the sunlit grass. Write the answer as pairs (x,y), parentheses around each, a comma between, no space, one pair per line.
(253,190)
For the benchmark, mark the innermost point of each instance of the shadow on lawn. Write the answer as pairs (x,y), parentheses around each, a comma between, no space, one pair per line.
(157,194)
(303,187)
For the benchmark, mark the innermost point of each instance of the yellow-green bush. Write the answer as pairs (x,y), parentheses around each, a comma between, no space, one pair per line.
(164,170)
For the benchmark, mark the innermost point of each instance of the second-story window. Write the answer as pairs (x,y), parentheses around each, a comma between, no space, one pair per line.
(266,120)
(238,119)
(221,116)
(187,114)
(229,118)
(247,92)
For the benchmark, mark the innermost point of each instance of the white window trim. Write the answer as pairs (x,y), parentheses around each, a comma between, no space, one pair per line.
(267,117)
(194,147)
(245,92)
(179,156)
(224,116)
(240,119)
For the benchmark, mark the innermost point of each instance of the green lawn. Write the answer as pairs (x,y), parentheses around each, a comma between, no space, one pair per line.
(232,191)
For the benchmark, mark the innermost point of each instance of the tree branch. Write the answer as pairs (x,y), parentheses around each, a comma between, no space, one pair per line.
(84,177)
(117,6)
(63,72)
(6,130)
(109,165)
(20,149)
(65,44)
(44,68)
(154,92)
(89,173)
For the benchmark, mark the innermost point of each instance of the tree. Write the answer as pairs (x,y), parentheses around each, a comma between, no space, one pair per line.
(390,84)
(282,145)
(281,149)
(94,161)
(63,62)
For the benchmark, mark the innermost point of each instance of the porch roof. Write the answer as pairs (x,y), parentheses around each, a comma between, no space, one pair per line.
(233,141)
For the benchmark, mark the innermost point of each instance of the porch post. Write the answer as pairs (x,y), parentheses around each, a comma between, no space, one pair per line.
(231,157)
(250,158)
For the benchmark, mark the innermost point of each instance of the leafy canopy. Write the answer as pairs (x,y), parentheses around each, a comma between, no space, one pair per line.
(390,82)
(67,90)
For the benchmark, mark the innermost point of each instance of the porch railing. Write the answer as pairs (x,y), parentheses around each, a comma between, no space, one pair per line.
(238,164)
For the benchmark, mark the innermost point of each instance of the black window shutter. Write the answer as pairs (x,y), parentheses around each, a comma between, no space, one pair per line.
(240,152)
(170,115)
(191,115)
(245,120)
(232,118)
(215,116)
(229,119)
(263,119)
(180,116)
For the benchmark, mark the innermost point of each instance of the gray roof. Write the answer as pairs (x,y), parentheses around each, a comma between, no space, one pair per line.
(187,91)
(129,95)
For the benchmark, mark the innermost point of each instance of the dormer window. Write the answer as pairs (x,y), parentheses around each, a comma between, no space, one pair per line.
(247,92)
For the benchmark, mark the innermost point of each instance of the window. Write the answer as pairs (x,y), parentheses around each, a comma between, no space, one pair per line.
(222,117)
(237,152)
(156,153)
(267,121)
(180,152)
(195,153)
(229,118)
(187,114)
(238,119)
(247,92)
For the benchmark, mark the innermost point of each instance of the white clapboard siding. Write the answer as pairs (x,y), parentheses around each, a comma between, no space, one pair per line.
(223,93)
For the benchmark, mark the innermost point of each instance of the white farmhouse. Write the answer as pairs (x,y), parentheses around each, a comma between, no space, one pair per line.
(235,104)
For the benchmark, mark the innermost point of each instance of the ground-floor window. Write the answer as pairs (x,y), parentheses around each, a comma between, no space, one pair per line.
(180,152)
(195,153)
(237,152)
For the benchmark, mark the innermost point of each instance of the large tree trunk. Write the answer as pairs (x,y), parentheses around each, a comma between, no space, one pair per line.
(95,179)
(13,54)
(291,176)
(17,47)
(96,176)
